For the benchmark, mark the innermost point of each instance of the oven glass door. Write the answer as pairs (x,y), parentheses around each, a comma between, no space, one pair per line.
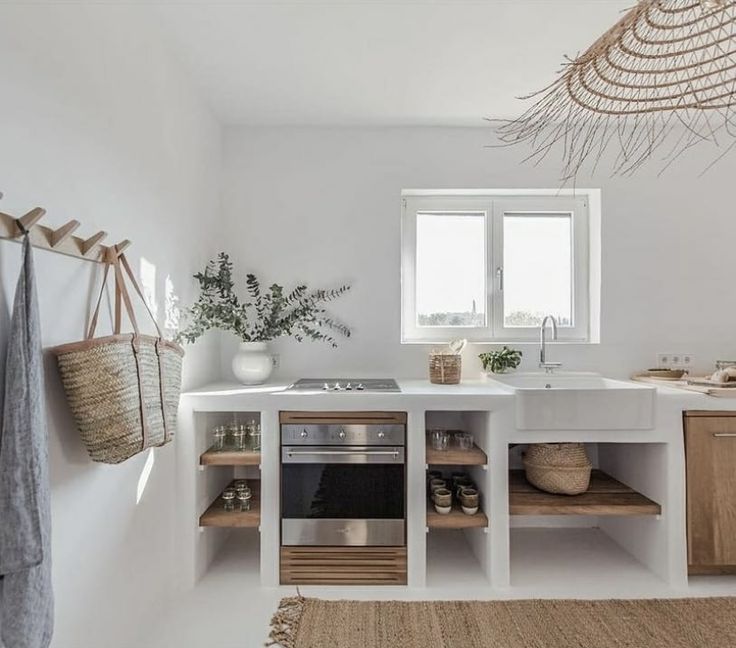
(333,497)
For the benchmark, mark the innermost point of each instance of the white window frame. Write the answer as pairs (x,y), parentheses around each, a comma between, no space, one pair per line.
(584,205)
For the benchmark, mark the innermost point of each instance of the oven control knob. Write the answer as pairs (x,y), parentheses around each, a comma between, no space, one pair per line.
(304,434)
(341,434)
(381,435)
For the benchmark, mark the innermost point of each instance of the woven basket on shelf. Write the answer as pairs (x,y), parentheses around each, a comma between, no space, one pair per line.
(445,368)
(559,468)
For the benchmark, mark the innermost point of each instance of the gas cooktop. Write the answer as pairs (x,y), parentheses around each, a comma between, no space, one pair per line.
(348,385)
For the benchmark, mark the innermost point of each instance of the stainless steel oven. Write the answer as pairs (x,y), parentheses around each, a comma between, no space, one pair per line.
(343,480)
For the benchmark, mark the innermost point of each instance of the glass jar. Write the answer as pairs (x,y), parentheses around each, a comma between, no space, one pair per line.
(218,436)
(243,430)
(238,437)
(230,439)
(228,498)
(255,436)
(244,499)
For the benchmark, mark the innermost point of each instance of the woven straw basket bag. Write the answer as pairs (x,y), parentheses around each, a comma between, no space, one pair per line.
(560,468)
(123,390)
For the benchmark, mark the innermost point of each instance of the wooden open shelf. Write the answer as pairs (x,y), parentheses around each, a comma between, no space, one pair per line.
(455,457)
(606,496)
(455,519)
(217,516)
(230,458)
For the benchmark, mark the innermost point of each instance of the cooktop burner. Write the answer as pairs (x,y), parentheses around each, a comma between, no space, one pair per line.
(370,385)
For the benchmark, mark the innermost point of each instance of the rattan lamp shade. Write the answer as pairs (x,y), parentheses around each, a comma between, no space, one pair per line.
(665,64)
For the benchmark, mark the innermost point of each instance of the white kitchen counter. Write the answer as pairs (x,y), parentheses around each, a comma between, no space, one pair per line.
(650,461)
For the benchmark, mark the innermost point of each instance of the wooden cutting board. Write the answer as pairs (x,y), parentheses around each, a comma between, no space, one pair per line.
(717,392)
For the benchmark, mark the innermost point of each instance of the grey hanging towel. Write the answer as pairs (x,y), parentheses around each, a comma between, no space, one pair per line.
(26,598)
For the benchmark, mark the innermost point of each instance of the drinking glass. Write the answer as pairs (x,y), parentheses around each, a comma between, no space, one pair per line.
(218,435)
(440,439)
(228,497)
(464,440)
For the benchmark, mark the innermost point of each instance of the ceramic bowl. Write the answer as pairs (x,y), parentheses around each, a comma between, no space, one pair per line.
(434,484)
(442,497)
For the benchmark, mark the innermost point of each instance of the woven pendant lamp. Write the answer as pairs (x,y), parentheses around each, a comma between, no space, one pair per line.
(660,81)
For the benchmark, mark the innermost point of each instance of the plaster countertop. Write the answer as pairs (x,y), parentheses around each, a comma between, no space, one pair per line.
(689,400)
(408,388)
(471,393)
(417,391)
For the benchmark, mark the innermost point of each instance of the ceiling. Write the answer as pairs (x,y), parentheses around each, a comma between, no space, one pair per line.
(377,62)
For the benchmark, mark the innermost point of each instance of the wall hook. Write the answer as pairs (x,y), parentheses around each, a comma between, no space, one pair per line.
(58,236)
(92,241)
(122,246)
(28,220)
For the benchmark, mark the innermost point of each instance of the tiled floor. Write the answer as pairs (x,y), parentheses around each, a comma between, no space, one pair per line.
(229,608)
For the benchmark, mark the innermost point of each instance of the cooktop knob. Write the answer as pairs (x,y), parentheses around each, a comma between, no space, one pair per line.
(360,387)
(304,434)
(381,434)
(325,387)
(341,434)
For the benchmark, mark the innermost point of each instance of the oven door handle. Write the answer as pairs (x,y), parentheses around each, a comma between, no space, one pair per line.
(343,453)
(305,455)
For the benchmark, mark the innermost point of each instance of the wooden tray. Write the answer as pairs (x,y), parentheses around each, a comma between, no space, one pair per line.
(717,392)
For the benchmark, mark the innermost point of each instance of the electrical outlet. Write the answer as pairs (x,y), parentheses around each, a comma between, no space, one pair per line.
(675,360)
(276,360)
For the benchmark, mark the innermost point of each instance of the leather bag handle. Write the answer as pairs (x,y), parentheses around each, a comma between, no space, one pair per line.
(122,297)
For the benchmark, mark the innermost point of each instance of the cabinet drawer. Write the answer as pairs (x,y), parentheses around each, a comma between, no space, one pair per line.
(710,448)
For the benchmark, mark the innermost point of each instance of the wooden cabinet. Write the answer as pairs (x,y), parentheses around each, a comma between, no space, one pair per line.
(710,448)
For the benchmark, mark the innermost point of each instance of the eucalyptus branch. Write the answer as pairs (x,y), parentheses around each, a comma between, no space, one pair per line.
(266,315)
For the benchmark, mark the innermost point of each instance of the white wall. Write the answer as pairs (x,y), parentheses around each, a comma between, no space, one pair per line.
(97,124)
(322,205)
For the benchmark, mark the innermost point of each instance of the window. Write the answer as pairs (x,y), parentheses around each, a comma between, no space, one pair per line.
(489,267)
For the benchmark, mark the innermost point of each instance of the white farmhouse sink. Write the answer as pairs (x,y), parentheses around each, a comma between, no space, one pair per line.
(575,401)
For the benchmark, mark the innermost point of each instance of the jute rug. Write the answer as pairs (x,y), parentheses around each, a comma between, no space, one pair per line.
(673,623)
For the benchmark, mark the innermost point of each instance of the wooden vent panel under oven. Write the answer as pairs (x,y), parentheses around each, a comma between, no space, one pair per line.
(343,565)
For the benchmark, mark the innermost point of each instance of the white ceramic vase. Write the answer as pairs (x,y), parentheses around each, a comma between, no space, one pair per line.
(252,364)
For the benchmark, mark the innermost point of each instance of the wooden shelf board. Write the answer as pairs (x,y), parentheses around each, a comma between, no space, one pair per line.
(217,516)
(606,496)
(230,458)
(455,457)
(455,519)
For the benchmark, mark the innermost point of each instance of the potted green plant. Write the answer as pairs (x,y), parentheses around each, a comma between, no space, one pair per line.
(264,316)
(501,361)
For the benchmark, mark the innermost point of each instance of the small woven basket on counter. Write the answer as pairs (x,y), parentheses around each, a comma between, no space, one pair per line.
(559,468)
(445,368)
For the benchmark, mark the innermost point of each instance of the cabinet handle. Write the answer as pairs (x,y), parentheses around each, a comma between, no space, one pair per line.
(724,434)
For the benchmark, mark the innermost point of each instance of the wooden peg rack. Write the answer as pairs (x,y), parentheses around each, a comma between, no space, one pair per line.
(60,239)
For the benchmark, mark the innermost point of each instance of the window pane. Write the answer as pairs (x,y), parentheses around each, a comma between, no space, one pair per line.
(538,278)
(451,274)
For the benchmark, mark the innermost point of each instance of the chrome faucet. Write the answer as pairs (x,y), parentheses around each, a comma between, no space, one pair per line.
(548,367)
